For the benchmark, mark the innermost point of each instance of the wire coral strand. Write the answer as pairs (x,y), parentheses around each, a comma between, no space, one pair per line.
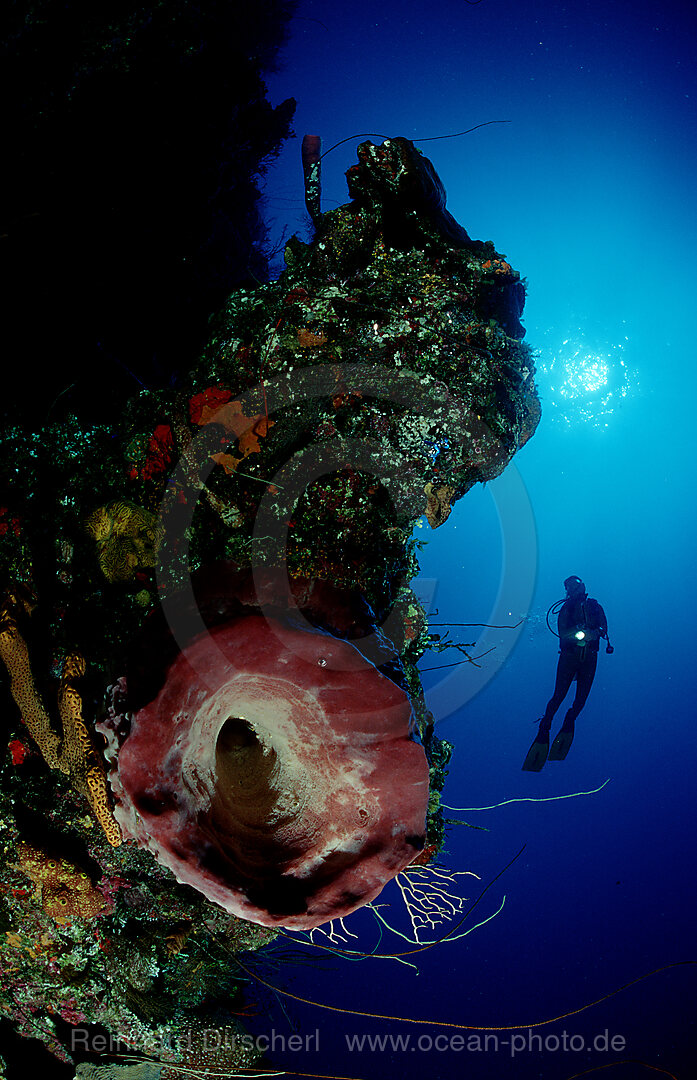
(315,1076)
(489,626)
(456,663)
(320,1076)
(527,798)
(466,1027)
(623,1061)
(429,138)
(198,1071)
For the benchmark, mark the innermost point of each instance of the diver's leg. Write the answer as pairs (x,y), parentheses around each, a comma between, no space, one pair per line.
(537,754)
(584,681)
(566,669)
(585,671)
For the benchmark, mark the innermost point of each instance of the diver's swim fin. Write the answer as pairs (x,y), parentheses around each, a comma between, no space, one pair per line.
(562,743)
(537,754)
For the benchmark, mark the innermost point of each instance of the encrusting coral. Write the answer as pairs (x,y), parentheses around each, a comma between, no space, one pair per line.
(78,755)
(64,891)
(74,754)
(127,537)
(15,656)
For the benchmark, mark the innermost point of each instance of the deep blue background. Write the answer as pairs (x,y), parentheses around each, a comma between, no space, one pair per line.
(589,191)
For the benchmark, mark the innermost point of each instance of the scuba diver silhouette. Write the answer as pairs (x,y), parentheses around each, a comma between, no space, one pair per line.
(581,624)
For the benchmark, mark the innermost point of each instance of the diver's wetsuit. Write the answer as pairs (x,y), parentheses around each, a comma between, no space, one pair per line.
(576,661)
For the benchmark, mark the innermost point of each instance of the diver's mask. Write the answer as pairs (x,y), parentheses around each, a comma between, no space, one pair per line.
(575,589)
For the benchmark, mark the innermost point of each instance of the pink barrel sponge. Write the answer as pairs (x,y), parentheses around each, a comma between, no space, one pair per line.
(275,773)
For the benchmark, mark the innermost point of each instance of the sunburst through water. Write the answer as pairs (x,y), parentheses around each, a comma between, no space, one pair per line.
(584,380)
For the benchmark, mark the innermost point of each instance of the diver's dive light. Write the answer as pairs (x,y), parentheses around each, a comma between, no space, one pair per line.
(579,635)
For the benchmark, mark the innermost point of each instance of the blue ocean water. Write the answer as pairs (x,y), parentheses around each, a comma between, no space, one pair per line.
(589,191)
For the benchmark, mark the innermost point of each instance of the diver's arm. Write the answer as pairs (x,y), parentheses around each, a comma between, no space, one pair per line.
(602,621)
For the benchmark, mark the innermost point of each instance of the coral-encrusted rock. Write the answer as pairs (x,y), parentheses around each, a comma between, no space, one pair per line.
(389,358)
(397,176)
(275,772)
